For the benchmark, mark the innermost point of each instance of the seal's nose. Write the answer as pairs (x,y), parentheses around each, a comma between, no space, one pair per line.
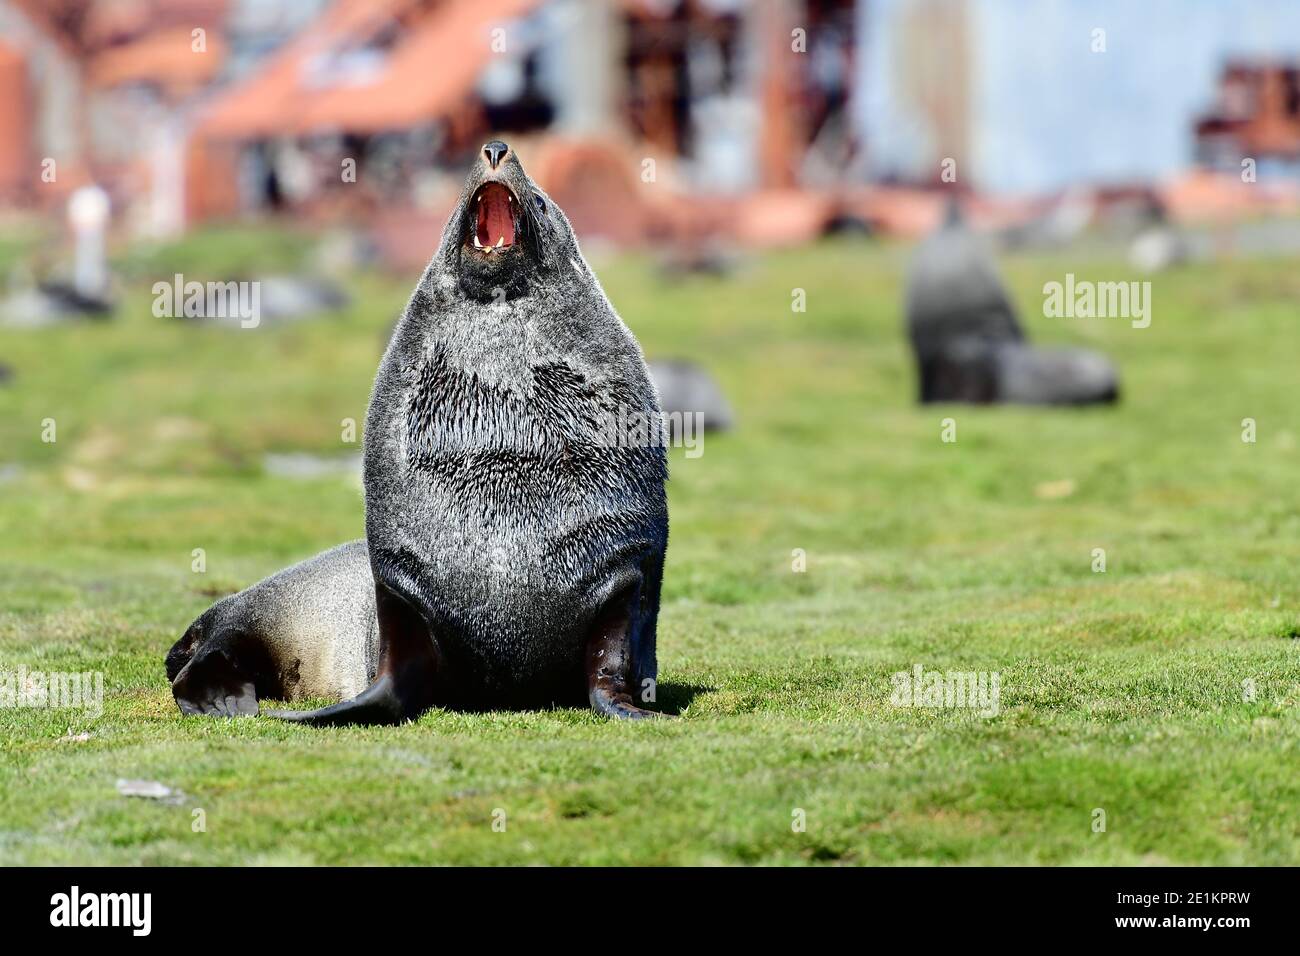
(494,152)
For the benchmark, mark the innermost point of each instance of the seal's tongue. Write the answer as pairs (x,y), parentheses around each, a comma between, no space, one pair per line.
(495,227)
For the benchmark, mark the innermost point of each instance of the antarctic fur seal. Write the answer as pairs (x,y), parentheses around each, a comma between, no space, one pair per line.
(968,340)
(686,388)
(516,543)
(307,631)
(517,552)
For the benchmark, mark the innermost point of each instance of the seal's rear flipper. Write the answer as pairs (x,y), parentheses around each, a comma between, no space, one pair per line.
(220,680)
(977,371)
(404,686)
(1055,376)
(610,666)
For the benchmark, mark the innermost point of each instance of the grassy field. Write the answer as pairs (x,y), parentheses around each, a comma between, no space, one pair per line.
(1119,691)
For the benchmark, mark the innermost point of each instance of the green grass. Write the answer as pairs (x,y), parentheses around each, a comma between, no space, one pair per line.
(1120,691)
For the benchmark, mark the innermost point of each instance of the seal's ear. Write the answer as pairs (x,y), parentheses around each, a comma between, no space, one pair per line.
(404,685)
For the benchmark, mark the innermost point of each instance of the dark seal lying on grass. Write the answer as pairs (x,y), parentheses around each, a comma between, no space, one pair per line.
(516,552)
(968,341)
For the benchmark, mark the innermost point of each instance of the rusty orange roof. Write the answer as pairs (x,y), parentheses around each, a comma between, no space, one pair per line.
(1207,196)
(367,66)
(166,58)
(110,22)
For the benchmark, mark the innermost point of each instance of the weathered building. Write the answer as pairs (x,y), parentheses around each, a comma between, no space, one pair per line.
(1030,98)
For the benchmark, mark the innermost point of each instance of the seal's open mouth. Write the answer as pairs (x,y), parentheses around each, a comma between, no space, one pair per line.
(495,210)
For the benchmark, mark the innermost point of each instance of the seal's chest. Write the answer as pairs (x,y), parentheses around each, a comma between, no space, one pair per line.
(549,418)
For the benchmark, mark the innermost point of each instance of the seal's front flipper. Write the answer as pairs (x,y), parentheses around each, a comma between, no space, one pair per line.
(609,664)
(220,680)
(377,704)
(404,686)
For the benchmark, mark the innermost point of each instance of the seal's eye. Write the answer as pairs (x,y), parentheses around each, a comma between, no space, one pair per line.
(540,203)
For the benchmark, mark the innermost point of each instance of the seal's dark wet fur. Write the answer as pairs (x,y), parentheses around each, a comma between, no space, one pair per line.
(517,554)
(491,503)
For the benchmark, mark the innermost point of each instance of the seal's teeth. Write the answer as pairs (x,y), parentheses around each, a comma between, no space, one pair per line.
(500,239)
(477,244)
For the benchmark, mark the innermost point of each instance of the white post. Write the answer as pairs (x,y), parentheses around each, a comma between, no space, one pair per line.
(88,216)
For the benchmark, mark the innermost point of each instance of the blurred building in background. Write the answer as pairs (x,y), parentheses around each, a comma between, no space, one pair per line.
(1256,114)
(1035,97)
(645,119)
(682,120)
